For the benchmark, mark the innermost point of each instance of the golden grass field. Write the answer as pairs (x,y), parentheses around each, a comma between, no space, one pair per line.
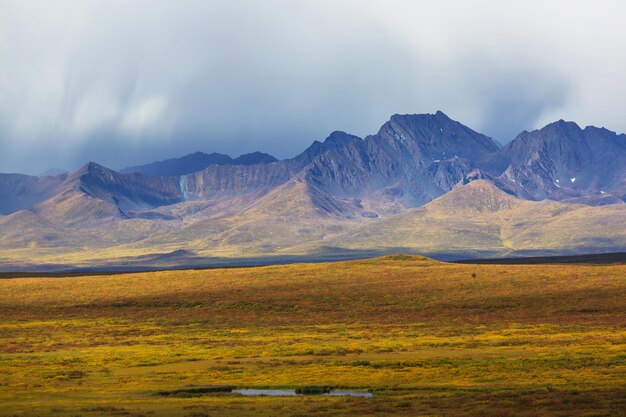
(428,338)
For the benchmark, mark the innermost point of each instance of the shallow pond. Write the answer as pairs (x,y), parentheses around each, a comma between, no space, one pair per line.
(292,393)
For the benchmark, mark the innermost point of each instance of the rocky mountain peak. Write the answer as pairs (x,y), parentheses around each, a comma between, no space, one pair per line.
(434,137)
(89,168)
(254,158)
(339,138)
(562,161)
(336,140)
(562,129)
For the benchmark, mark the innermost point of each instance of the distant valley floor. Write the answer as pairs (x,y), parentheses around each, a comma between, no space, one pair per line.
(216,263)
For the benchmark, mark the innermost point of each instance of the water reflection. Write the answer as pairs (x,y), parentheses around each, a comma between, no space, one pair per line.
(292,393)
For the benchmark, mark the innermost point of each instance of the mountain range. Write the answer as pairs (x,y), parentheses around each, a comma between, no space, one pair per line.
(422,184)
(197,162)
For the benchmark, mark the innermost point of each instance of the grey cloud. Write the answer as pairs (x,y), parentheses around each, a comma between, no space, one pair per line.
(515,99)
(128,82)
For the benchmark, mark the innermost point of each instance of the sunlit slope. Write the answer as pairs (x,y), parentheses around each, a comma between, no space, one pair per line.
(25,229)
(293,213)
(471,220)
(479,217)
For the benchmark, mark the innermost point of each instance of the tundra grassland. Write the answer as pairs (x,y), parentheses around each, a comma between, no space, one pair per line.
(427,338)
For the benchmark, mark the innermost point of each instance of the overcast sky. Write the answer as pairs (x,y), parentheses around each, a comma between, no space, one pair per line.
(126,82)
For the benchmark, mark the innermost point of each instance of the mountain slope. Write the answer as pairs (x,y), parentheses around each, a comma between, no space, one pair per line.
(93,192)
(478,219)
(292,213)
(25,229)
